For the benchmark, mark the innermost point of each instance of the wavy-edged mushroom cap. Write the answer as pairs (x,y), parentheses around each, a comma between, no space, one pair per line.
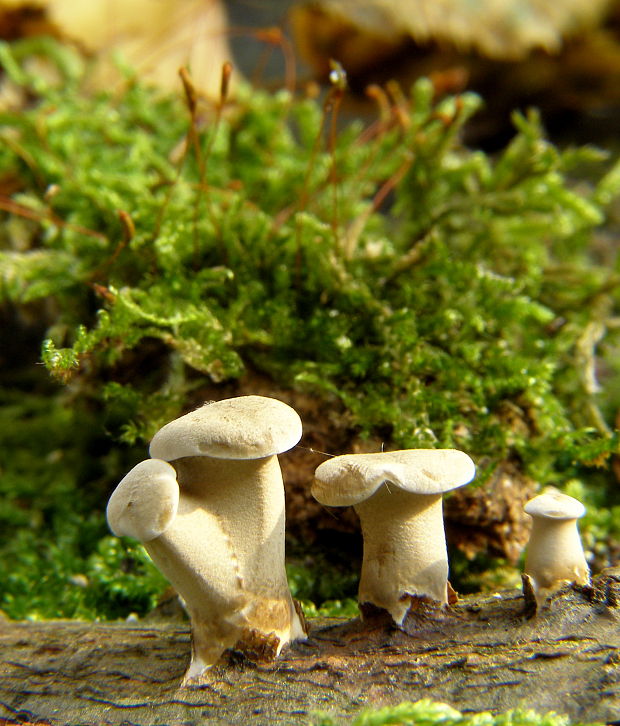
(352,478)
(555,505)
(145,502)
(245,427)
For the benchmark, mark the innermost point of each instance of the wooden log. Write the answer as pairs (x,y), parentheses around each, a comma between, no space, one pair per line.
(483,653)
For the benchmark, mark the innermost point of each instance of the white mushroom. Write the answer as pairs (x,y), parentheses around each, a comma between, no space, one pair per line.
(398,497)
(554,555)
(221,544)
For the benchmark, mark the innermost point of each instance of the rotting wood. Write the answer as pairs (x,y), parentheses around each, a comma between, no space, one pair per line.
(481,654)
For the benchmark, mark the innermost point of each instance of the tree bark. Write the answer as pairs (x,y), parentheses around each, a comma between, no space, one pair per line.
(483,653)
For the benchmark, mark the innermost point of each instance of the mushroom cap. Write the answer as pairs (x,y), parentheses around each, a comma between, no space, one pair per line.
(145,502)
(352,478)
(554,505)
(245,427)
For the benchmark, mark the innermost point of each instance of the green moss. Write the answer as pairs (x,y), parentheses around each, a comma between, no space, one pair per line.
(56,558)
(265,251)
(432,713)
(323,589)
(446,298)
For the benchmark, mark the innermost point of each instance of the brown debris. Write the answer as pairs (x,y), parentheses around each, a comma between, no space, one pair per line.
(23,20)
(529,596)
(256,647)
(491,518)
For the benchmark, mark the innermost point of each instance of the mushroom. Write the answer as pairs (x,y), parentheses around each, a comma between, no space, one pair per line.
(209,509)
(554,555)
(398,497)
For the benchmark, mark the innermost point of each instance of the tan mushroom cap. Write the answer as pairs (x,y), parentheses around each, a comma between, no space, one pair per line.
(245,427)
(555,505)
(145,501)
(352,478)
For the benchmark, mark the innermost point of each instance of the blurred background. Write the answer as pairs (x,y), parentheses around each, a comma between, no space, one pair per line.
(563,58)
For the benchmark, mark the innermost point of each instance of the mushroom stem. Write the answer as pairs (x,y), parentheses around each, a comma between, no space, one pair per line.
(404,550)
(224,553)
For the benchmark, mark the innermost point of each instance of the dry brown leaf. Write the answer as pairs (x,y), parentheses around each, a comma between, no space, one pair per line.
(503,29)
(156,37)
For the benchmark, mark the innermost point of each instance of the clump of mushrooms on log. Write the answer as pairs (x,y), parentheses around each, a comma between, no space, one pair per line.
(208,506)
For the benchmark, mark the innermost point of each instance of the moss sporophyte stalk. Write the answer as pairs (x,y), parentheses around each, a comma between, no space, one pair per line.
(445,298)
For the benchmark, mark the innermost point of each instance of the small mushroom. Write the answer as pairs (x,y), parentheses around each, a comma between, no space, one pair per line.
(398,497)
(209,508)
(554,555)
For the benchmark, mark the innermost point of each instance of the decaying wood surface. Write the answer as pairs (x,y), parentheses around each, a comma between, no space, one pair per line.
(485,653)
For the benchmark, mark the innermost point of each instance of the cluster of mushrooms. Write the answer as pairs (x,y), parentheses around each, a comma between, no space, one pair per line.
(208,507)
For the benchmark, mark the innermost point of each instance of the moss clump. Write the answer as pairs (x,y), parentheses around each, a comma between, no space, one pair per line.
(461,318)
(431,713)
(444,297)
